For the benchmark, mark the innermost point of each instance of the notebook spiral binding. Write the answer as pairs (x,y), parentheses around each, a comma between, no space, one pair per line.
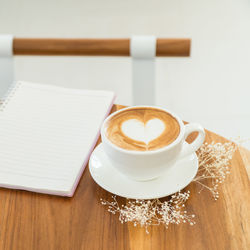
(8,95)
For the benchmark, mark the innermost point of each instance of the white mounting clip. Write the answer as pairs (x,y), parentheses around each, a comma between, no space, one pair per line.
(143,51)
(6,63)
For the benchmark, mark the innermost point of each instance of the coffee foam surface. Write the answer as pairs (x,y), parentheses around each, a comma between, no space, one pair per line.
(137,130)
(142,129)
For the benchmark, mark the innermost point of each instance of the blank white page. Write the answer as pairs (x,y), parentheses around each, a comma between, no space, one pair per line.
(47,134)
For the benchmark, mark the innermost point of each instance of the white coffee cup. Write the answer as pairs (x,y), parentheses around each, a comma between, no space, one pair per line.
(146,165)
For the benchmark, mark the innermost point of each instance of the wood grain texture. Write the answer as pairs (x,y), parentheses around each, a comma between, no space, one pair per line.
(94,47)
(36,221)
(245,155)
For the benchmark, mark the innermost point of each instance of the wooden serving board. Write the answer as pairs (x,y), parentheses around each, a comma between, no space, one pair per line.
(36,221)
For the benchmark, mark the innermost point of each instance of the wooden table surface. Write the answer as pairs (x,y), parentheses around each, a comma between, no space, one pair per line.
(37,221)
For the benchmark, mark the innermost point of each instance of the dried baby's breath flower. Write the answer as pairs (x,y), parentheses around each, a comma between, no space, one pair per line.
(152,212)
(214,163)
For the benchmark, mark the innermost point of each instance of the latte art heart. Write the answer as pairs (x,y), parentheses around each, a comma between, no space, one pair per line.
(139,131)
(142,128)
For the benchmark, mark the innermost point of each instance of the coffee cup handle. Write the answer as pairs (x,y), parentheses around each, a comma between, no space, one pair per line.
(193,146)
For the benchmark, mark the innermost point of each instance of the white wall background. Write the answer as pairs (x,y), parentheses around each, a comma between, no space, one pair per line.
(212,87)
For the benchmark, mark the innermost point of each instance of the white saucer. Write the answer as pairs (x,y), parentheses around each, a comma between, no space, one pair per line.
(173,180)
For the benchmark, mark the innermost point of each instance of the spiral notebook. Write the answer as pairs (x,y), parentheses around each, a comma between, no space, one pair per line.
(47,134)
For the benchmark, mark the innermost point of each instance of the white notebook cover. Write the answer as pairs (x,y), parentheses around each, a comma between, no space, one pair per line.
(47,134)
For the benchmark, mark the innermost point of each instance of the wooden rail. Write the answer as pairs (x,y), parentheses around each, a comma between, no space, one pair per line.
(94,47)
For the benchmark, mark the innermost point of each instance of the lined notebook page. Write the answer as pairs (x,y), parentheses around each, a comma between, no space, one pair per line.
(47,134)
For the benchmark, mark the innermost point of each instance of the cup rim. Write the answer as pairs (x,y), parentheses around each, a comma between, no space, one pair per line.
(134,152)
